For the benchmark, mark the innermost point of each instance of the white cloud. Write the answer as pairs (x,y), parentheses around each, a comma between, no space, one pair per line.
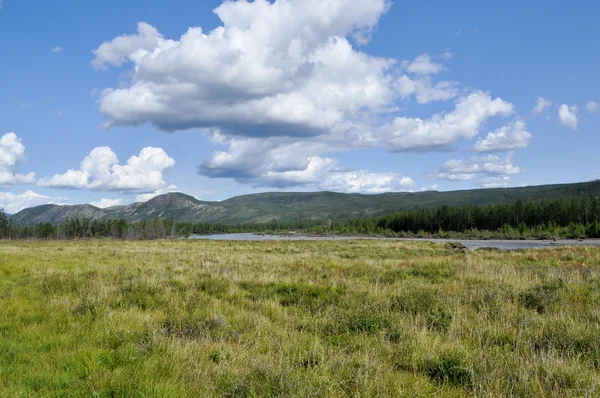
(422,65)
(127,47)
(432,187)
(268,164)
(466,170)
(541,105)
(424,90)
(495,182)
(447,55)
(13,203)
(104,203)
(12,152)
(567,115)
(101,171)
(507,138)
(443,130)
(57,49)
(283,85)
(592,107)
(272,68)
(1,4)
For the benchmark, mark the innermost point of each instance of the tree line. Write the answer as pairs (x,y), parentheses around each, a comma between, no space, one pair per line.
(576,218)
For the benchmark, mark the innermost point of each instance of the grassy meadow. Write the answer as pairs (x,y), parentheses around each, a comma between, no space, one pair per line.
(296,319)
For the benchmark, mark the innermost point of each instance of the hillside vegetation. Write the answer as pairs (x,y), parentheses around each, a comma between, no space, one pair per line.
(297,319)
(293,207)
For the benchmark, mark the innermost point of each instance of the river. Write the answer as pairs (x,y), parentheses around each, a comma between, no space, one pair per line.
(471,244)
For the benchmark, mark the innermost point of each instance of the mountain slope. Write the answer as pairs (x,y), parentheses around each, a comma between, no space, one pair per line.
(288,207)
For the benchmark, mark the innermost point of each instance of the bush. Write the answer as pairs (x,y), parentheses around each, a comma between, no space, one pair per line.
(541,297)
(450,367)
(439,319)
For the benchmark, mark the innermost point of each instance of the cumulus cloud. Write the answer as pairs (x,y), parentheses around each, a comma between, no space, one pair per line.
(57,49)
(541,105)
(101,171)
(12,152)
(443,130)
(592,107)
(13,203)
(567,115)
(285,68)
(286,78)
(105,203)
(280,68)
(422,65)
(507,138)
(466,170)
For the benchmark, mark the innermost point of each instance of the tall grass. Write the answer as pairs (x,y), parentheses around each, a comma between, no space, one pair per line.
(306,319)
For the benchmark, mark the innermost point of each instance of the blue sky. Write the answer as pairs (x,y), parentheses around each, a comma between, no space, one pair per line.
(112,102)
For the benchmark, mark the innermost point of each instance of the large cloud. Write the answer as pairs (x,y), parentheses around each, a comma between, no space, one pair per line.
(271,69)
(12,152)
(286,77)
(101,171)
(507,138)
(13,203)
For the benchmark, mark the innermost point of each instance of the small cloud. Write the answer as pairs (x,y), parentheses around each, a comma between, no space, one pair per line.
(422,65)
(58,49)
(24,105)
(541,105)
(432,187)
(60,113)
(592,107)
(105,203)
(567,115)
(447,55)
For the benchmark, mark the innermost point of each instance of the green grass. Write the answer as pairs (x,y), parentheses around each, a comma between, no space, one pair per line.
(305,319)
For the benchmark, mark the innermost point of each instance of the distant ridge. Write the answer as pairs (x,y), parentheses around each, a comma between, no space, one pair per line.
(302,206)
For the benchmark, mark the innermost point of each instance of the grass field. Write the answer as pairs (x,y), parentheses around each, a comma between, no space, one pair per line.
(305,319)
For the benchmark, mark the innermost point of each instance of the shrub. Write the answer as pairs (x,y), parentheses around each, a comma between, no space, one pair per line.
(541,297)
(439,319)
(311,297)
(450,367)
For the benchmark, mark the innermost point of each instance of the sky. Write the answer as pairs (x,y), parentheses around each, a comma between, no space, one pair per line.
(114,102)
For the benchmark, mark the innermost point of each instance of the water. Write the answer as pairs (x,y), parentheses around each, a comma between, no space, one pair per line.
(471,244)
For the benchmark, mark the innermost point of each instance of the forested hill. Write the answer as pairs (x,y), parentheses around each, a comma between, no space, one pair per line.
(293,207)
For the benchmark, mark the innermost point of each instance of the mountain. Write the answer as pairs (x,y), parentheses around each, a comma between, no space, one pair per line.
(287,207)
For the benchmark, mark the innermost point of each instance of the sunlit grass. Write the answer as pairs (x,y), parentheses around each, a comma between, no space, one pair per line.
(306,319)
